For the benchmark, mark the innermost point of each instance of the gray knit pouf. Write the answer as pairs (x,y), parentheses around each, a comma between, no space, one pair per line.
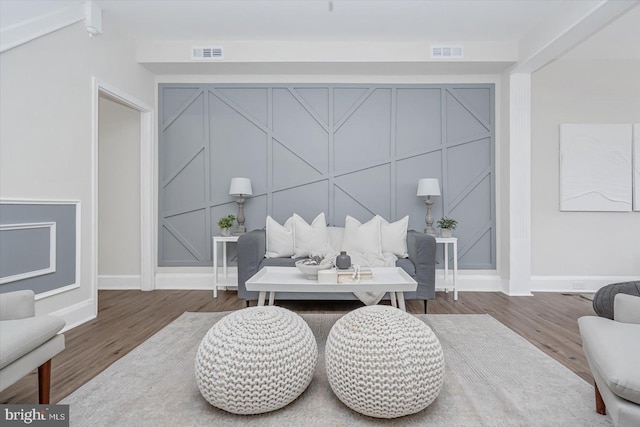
(256,360)
(383,362)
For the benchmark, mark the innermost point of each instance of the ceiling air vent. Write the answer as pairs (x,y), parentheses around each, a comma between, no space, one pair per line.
(206,53)
(447,52)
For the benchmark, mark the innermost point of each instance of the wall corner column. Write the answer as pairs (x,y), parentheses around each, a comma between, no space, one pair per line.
(520,184)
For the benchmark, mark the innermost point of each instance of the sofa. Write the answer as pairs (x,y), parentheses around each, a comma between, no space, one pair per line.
(420,265)
(612,349)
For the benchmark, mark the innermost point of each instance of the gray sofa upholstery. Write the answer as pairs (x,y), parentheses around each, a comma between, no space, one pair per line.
(27,341)
(420,265)
(612,349)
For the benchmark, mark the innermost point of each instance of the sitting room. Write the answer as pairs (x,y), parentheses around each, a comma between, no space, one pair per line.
(343,212)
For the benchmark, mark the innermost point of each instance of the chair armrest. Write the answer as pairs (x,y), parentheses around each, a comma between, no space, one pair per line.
(422,252)
(251,249)
(626,308)
(17,305)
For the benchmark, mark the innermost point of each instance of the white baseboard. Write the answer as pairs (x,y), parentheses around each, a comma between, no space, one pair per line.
(196,281)
(77,314)
(574,284)
(471,282)
(185,281)
(121,282)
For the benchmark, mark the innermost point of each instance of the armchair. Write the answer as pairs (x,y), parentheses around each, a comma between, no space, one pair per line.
(27,341)
(611,347)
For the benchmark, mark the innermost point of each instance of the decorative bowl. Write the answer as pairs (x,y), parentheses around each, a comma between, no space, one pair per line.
(311,270)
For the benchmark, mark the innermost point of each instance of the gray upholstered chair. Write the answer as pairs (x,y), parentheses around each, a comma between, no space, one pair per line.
(27,341)
(603,299)
(612,348)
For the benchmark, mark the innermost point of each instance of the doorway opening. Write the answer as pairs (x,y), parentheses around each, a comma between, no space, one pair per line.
(121,119)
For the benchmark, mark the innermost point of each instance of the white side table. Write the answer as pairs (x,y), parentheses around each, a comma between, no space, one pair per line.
(454,242)
(223,240)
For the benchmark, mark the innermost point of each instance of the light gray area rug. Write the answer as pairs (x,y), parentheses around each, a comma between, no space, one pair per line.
(493,377)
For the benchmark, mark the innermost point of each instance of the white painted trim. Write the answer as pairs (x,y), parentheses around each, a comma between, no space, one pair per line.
(147,218)
(57,291)
(636,166)
(40,202)
(78,205)
(106,282)
(471,282)
(575,284)
(185,281)
(571,24)
(52,250)
(31,29)
(520,184)
(76,314)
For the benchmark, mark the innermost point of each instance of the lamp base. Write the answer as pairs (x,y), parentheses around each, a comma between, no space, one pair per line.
(241,229)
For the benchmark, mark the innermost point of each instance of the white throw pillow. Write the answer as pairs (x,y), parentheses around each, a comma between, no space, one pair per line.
(335,237)
(362,238)
(279,238)
(394,236)
(310,240)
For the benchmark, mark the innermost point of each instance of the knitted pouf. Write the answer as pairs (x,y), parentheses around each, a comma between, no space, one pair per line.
(256,360)
(384,362)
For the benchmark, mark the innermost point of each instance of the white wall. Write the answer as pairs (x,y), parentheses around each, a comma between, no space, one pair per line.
(118,190)
(567,246)
(46,129)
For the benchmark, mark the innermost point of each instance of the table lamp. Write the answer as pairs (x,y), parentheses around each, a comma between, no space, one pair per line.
(240,187)
(428,187)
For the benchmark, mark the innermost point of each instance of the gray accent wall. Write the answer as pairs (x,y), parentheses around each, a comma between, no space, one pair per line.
(27,250)
(335,148)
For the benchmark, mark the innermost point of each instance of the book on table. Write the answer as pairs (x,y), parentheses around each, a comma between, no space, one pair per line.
(349,275)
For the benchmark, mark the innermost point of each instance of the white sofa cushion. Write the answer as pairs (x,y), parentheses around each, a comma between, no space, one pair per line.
(310,240)
(335,237)
(279,238)
(362,238)
(394,236)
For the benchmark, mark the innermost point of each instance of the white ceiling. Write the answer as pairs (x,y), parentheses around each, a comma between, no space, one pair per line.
(337,20)
(342,22)
(353,20)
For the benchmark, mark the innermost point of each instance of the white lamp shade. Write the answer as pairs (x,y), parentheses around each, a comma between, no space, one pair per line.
(240,186)
(428,187)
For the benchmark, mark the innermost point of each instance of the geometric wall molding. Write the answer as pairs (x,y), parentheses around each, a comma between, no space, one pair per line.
(21,258)
(353,149)
(39,246)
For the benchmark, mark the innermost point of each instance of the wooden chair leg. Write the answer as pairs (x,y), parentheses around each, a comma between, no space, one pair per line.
(600,406)
(44,382)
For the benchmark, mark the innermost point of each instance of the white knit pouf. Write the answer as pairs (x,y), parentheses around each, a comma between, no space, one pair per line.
(256,360)
(384,362)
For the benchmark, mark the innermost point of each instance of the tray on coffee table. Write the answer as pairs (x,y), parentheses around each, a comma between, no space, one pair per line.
(394,280)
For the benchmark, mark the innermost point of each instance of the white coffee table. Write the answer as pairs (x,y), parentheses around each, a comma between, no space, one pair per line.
(394,280)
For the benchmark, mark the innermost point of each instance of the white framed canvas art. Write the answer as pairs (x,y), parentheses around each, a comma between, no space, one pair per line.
(636,167)
(595,167)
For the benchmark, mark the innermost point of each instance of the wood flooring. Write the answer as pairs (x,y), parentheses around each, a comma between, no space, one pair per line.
(128,318)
